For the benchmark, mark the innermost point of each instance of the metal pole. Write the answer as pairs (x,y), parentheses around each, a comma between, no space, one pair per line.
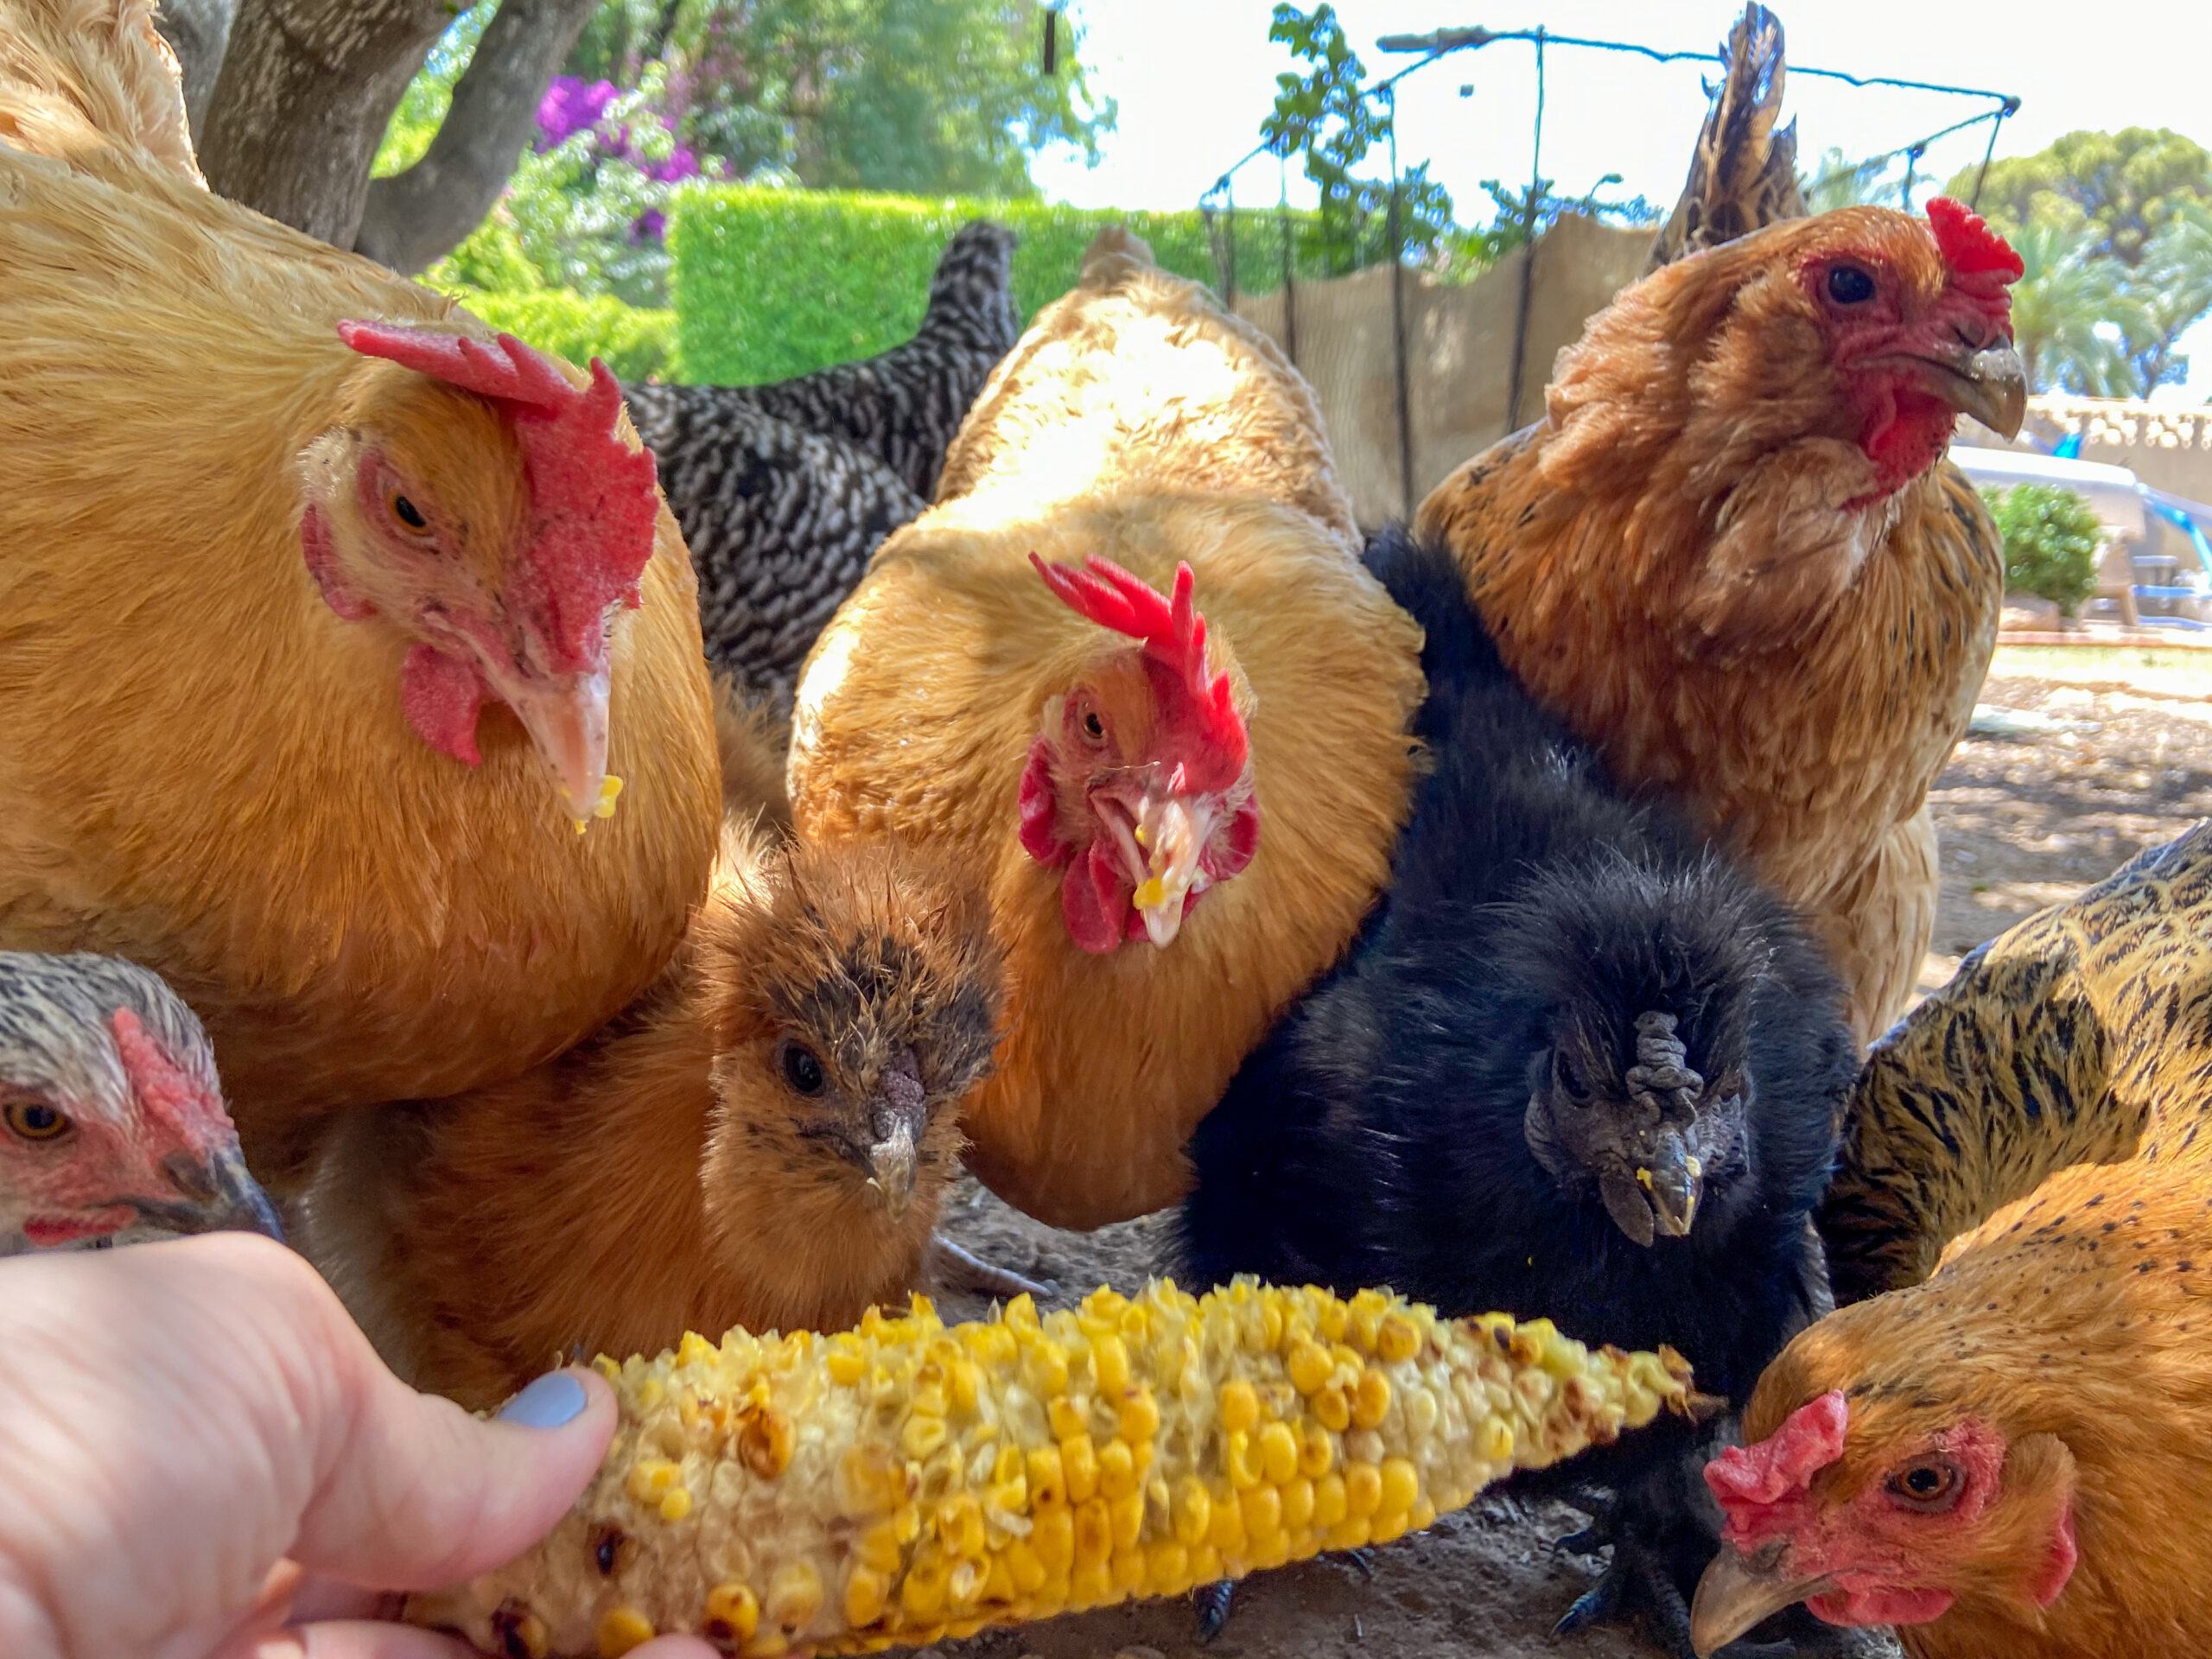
(1398,319)
(1229,197)
(1289,294)
(1527,251)
(1995,123)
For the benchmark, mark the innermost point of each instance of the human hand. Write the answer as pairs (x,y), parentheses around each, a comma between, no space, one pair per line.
(205,1460)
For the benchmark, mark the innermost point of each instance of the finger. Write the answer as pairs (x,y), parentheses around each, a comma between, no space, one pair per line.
(416,1493)
(352,1640)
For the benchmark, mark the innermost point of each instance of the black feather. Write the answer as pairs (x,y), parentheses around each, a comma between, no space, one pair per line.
(1379,1135)
(785,492)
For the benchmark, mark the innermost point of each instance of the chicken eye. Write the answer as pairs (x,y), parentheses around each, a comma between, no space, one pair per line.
(1930,1485)
(1093,727)
(802,1069)
(1849,285)
(34,1120)
(409,516)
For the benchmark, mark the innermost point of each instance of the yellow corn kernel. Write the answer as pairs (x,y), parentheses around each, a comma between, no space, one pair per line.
(1067,1417)
(1332,1410)
(1396,1338)
(732,1613)
(960,1525)
(1261,1507)
(1094,1532)
(794,1595)
(1048,1485)
(1278,1448)
(1401,1486)
(1052,1536)
(1351,1532)
(1329,1500)
(1362,1490)
(676,1504)
(1090,1584)
(845,1366)
(622,1629)
(1026,1570)
(878,1548)
(1167,1566)
(1307,1366)
(865,1594)
(1193,1512)
(1372,1403)
(1205,1564)
(1227,1531)
(1047,1369)
(1079,1463)
(923,1436)
(1316,1453)
(1240,1407)
(1109,1364)
(1297,1503)
(651,1479)
(1117,1470)
(922,1594)
(1128,1512)
(1140,1417)
(1243,1461)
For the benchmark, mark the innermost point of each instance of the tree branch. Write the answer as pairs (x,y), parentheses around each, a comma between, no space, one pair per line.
(306,92)
(415,217)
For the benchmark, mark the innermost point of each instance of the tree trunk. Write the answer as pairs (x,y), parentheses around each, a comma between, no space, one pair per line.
(198,31)
(306,92)
(415,217)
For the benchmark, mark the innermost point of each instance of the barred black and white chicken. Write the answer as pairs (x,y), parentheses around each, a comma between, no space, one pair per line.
(785,491)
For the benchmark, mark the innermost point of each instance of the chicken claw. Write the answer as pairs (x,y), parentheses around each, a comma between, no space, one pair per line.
(950,1270)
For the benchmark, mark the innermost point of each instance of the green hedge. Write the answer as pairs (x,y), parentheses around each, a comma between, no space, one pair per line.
(636,344)
(769,283)
(2052,537)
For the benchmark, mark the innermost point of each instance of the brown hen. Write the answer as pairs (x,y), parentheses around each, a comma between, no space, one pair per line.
(1732,556)
(325,617)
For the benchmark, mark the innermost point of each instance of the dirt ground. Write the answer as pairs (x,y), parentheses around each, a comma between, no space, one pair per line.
(2024,819)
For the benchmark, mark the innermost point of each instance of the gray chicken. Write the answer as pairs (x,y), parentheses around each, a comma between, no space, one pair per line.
(786,491)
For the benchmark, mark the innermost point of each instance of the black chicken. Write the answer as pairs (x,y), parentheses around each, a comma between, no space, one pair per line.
(785,492)
(1577,1066)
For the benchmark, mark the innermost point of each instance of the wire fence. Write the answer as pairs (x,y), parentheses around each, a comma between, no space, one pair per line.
(1303,274)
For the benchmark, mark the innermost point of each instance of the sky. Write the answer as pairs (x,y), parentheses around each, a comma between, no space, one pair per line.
(1195,79)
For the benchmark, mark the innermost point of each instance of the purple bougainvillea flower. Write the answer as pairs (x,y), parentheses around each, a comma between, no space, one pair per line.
(569,105)
(648,225)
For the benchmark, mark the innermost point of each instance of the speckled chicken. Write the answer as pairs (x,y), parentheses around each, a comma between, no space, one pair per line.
(112,1127)
(2000,1449)
(786,491)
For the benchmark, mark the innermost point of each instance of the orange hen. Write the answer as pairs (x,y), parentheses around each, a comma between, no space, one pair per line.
(1732,555)
(1178,770)
(325,618)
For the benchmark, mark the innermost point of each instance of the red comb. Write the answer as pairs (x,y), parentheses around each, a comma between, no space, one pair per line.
(1749,1480)
(594,499)
(1173,632)
(1970,248)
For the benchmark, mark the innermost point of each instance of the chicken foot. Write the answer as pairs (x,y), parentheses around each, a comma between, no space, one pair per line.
(948,1269)
(1215,1601)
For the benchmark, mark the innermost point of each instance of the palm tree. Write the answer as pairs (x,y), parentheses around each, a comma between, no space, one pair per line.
(2072,316)
(2172,290)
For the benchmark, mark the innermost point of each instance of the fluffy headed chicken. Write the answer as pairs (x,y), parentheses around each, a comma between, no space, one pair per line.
(762,1141)
(329,619)
(2006,1457)
(1732,556)
(114,1124)
(1130,670)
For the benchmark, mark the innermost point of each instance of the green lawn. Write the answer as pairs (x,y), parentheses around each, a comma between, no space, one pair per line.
(2175,673)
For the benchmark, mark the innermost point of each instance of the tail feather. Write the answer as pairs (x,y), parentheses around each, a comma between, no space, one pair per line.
(1744,172)
(80,76)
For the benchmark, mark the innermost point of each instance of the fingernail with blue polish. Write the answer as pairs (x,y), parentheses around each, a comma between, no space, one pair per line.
(553,1400)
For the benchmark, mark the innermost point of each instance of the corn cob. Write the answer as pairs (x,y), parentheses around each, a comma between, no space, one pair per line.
(903,1481)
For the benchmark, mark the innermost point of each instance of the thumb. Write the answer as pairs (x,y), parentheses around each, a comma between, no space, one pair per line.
(414,1493)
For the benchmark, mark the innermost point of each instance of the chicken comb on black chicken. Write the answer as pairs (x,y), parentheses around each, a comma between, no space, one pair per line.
(786,491)
(1577,1065)
(1743,171)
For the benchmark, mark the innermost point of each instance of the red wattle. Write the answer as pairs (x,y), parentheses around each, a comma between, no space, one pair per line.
(1878,1605)
(1094,899)
(441,696)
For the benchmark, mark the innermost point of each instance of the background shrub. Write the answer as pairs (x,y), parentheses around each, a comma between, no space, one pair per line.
(635,342)
(2051,536)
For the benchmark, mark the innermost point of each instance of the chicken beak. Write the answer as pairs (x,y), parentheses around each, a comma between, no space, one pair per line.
(566,718)
(1990,384)
(1673,1182)
(1738,1591)
(1173,830)
(891,1162)
(220,1196)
